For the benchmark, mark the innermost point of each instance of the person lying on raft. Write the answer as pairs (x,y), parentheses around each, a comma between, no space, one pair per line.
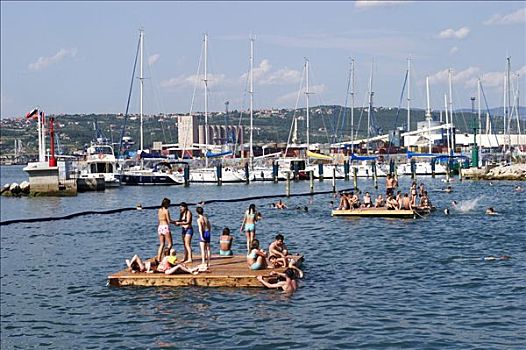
(289,285)
(182,268)
(257,258)
(168,262)
(137,265)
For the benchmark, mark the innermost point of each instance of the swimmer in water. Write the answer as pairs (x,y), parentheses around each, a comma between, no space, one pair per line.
(446,211)
(280,205)
(491,211)
(519,189)
(448,189)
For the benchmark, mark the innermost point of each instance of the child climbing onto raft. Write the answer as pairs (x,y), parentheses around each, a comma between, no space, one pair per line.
(289,285)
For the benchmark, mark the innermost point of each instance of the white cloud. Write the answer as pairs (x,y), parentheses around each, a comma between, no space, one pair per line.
(44,62)
(259,71)
(453,50)
(469,76)
(264,75)
(450,33)
(362,4)
(153,58)
(193,80)
(463,76)
(518,16)
(494,79)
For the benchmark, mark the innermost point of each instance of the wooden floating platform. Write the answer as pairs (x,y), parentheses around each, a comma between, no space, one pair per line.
(225,271)
(382,212)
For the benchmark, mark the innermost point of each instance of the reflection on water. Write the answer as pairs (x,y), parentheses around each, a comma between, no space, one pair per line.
(369,283)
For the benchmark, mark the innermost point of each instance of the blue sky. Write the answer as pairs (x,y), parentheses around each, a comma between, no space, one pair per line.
(77,57)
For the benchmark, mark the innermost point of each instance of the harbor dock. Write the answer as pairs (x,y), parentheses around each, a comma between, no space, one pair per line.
(225,271)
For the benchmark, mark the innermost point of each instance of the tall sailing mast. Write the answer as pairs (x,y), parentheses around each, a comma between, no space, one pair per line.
(251,93)
(141,79)
(428,116)
(205,80)
(352,105)
(307,93)
(371,93)
(447,129)
(409,94)
(451,110)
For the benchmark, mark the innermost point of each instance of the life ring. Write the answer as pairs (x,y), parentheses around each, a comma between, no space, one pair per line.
(180,170)
(101,156)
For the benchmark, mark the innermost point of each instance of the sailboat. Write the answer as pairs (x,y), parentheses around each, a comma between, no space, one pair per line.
(161,173)
(211,174)
(423,167)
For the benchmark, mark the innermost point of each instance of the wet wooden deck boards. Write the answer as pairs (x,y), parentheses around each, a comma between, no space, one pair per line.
(224,272)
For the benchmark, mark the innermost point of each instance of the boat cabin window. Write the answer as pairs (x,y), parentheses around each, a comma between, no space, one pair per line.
(97,168)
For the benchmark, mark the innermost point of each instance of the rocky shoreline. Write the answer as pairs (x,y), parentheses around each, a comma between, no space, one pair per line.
(514,172)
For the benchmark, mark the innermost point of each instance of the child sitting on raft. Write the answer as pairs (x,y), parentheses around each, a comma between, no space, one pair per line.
(256,259)
(225,243)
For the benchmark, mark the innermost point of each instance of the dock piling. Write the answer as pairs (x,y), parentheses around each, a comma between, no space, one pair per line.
(320,172)
(247,174)
(375,174)
(186,175)
(275,169)
(287,185)
(311,181)
(219,173)
(346,170)
(355,177)
(334,180)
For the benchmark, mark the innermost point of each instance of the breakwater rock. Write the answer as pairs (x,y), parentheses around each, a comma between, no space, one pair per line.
(501,172)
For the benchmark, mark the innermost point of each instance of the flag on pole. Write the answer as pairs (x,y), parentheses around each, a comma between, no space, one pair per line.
(32,113)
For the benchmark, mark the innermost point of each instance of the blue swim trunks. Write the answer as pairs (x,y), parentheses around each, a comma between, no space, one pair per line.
(206,237)
(250,227)
(187,231)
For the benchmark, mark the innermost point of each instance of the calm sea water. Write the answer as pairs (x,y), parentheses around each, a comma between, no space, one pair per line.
(370,283)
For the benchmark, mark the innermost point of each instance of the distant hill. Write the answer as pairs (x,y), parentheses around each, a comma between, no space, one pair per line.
(497,111)
(328,123)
